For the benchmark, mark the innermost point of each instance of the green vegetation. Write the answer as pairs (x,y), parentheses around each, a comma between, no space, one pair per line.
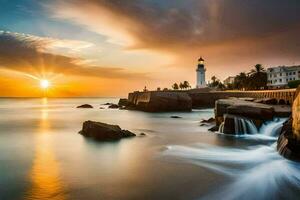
(294,84)
(256,79)
(175,86)
(182,85)
(216,83)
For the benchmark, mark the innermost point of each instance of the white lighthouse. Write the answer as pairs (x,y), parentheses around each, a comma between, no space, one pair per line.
(200,74)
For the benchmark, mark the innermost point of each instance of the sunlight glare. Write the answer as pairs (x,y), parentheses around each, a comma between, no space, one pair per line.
(44,84)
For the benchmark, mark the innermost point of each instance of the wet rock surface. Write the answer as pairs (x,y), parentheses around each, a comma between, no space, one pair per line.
(270,101)
(210,120)
(288,144)
(175,117)
(255,111)
(85,106)
(103,132)
(113,106)
(123,102)
(161,101)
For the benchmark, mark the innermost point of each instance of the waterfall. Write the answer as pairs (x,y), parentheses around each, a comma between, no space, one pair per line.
(272,128)
(221,127)
(244,126)
(241,126)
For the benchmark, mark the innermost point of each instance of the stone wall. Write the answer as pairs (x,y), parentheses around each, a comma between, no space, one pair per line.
(207,99)
(160,101)
(201,98)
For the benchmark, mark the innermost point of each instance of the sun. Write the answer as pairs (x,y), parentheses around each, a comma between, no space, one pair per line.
(44,84)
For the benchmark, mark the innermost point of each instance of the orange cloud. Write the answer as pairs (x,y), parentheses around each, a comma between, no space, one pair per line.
(232,35)
(24,57)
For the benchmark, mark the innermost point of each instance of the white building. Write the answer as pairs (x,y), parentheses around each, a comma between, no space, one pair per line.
(229,80)
(201,74)
(278,77)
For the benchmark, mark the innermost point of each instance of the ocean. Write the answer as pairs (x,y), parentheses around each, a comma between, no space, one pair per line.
(42,156)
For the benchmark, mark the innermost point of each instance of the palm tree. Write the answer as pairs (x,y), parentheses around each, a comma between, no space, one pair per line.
(214,79)
(258,77)
(186,84)
(258,68)
(241,81)
(175,86)
(181,86)
(214,82)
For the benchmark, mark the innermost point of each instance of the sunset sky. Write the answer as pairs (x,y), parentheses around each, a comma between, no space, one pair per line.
(112,47)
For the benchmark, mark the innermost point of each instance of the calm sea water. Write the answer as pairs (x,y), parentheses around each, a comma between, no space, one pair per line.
(42,156)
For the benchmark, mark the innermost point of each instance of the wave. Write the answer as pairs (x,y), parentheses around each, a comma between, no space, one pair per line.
(258,172)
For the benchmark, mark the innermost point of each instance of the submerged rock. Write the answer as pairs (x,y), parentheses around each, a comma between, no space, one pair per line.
(176,117)
(113,106)
(210,120)
(214,129)
(101,131)
(85,106)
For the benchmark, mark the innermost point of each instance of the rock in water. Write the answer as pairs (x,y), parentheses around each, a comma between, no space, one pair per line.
(175,117)
(85,106)
(101,131)
(210,120)
(123,102)
(160,101)
(113,106)
(247,109)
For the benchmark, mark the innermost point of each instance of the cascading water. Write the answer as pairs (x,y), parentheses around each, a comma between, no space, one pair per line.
(246,126)
(272,128)
(242,126)
(254,171)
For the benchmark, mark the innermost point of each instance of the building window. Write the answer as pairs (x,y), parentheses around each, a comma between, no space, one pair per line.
(287,74)
(280,80)
(280,74)
(287,80)
(293,78)
(294,73)
(270,75)
(290,73)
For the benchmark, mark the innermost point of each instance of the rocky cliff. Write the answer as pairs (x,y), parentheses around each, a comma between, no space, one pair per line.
(288,144)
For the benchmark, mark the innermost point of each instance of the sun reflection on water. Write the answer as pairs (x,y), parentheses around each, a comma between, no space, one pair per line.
(45,173)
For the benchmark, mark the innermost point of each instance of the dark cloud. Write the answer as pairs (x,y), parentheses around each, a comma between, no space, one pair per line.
(170,23)
(27,53)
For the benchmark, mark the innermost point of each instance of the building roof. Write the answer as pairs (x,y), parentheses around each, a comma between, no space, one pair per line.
(284,68)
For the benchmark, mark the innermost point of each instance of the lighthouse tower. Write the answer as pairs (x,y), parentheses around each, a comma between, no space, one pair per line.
(200,74)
